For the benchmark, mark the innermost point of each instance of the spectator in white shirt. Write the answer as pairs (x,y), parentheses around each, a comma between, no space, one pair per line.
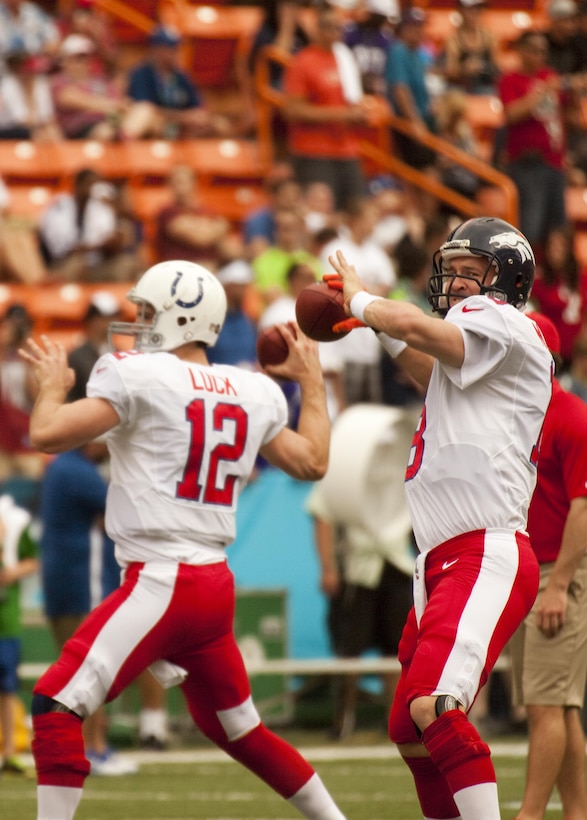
(361,349)
(81,236)
(26,102)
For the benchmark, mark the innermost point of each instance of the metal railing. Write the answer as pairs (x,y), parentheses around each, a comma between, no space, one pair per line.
(383,122)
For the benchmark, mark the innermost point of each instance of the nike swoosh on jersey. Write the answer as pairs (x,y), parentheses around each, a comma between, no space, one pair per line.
(448,564)
(470,309)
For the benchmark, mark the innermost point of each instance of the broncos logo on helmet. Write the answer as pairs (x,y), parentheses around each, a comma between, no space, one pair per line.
(513,239)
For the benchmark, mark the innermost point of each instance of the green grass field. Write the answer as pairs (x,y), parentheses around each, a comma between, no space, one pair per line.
(368,782)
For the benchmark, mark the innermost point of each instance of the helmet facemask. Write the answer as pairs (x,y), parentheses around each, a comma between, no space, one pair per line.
(440,286)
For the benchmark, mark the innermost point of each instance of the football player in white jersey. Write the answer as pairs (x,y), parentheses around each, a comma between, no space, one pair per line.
(183,438)
(469,480)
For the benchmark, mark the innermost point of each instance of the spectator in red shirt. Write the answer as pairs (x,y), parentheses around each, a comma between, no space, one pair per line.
(323,105)
(536,105)
(560,291)
(549,651)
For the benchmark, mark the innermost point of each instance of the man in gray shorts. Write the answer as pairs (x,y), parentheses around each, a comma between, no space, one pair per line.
(549,651)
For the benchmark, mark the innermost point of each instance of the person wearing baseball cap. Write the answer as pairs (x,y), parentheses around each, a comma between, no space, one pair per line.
(172,103)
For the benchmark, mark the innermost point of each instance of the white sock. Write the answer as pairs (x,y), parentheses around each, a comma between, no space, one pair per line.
(153,722)
(478,802)
(57,802)
(314,801)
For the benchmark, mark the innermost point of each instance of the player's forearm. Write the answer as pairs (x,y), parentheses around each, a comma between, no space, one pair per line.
(55,426)
(424,334)
(314,424)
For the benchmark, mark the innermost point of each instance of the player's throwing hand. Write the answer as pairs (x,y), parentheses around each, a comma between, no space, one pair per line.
(50,365)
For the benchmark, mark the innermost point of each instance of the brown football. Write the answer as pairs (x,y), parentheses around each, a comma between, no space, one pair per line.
(271,347)
(318,308)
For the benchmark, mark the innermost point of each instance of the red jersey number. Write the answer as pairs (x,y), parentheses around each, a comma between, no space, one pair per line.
(417,448)
(190,487)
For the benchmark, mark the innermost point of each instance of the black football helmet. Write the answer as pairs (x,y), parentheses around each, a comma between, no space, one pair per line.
(504,247)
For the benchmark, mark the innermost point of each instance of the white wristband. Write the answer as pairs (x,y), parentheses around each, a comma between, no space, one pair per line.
(359,302)
(393,346)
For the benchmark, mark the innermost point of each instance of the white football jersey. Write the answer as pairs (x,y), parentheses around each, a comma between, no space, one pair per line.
(186,444)
(472,464)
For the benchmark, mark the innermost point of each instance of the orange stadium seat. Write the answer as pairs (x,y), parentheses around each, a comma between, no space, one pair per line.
(150,161)
(110,159)
(224,158)
(32,162)
(147,200)
(139,161)
(55,306)
(505,24)
(484,113)
(234,202)
(58,309)
(12,294)
(440,24)
(29,201)
(214,37)
(117,289)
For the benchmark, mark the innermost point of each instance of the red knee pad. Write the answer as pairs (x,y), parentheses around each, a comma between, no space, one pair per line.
(455,746)
(433,791)
(58,749)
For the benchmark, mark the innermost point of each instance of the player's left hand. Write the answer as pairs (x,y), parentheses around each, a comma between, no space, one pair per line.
(50,365)
(351,284)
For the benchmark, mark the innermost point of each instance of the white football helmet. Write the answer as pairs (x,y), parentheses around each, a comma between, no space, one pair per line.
(189,304)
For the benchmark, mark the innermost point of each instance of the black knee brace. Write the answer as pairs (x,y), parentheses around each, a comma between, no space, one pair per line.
(42,704)
(444,703)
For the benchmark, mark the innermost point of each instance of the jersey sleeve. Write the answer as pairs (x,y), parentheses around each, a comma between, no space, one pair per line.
(486,336)
(106,382)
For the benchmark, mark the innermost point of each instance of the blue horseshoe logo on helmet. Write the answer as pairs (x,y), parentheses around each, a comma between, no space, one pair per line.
(198,298)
